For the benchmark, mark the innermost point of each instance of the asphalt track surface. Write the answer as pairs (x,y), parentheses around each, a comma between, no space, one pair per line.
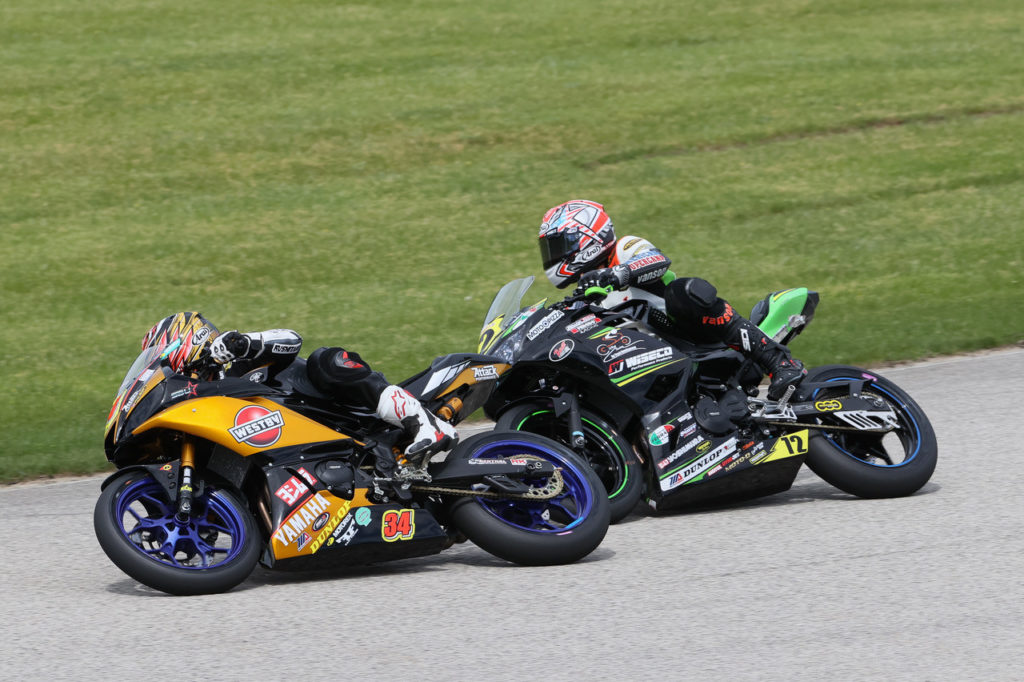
(810,584)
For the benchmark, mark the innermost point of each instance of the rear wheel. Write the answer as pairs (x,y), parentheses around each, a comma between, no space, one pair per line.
(868,464)
(135,525)
(559,530)
(608,453)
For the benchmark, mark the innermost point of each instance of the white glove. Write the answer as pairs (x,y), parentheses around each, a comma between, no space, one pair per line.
(229,346)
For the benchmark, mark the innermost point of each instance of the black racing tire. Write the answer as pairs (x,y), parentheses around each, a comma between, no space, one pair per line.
(868,465)
(610,456)
(561,530)
(134,523)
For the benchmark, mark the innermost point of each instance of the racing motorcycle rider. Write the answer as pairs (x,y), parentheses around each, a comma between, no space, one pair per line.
(334,371)
(577,243)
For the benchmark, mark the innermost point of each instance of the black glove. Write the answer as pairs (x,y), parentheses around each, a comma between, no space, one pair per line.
(604,278)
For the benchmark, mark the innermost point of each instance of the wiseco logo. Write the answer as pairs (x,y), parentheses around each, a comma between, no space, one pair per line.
(257,426)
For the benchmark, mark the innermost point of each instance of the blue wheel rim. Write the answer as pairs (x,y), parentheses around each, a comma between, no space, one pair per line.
(559,514)
(214,535)
(904,416)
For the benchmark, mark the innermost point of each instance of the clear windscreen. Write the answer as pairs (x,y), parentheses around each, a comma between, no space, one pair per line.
(507,301)
(140,366)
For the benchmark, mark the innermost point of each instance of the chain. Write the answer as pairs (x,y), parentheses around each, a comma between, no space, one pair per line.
(551,489)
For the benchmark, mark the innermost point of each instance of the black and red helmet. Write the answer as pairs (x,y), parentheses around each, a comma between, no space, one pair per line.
(574,237)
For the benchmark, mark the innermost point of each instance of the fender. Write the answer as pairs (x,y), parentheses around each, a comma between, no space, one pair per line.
(170,484)
(220,420)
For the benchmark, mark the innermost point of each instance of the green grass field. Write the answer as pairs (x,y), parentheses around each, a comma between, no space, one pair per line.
(369,174)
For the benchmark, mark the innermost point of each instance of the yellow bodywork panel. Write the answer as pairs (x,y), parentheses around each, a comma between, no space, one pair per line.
(314,523)
(469,376)
(243,426)
(790,445)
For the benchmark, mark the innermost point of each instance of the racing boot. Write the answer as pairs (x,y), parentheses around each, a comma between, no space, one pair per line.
(773,358)
(430,434)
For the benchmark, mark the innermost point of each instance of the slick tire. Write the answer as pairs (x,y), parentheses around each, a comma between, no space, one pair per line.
(146,498)
(610,456)
(845,461)
(534,533)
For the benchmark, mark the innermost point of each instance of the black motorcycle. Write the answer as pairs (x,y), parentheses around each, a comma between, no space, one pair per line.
(682,423)
(217,474)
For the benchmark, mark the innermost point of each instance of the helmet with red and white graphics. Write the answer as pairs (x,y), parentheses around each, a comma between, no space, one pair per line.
(575,237)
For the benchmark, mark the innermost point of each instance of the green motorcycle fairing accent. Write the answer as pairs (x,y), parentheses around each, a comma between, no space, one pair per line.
(608,438)
(782,305)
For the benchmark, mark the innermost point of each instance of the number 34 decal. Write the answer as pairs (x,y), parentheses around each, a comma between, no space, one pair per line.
(398,524)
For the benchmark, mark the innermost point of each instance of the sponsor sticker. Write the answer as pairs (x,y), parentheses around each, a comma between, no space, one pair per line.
(485,373)
(293,527)
(700,465)
(828,405)
(645,261)
(686,447)
(306,475)
(257,426)
(660,434)
(190,389)
(291,491)
(131,402)
(561,350)
(544,324)
(320,522)
(345,531)
(583,325)
(642,360)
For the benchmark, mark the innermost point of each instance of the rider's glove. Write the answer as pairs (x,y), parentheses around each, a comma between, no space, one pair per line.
(616,277)
(228,346)
(430,434)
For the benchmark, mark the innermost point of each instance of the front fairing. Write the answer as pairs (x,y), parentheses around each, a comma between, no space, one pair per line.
(151,387)
(584,342)
(145,374)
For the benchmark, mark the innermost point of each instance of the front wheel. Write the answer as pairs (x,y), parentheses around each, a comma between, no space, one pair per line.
(872,465)
(559,530)
(608,453)
(135,525)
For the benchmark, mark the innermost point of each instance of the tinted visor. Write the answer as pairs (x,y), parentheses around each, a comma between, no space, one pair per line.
(554,248)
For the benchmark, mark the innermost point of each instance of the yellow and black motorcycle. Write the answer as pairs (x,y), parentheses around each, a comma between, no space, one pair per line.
(216,474)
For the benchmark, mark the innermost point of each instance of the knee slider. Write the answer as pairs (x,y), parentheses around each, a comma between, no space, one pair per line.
(701,292)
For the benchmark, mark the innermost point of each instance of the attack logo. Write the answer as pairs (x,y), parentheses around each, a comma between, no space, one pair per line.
(257,426)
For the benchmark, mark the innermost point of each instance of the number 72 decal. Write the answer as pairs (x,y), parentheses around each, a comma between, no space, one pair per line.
(398,524)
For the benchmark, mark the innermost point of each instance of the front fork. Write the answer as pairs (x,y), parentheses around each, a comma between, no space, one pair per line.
(565,403)
(188,464)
